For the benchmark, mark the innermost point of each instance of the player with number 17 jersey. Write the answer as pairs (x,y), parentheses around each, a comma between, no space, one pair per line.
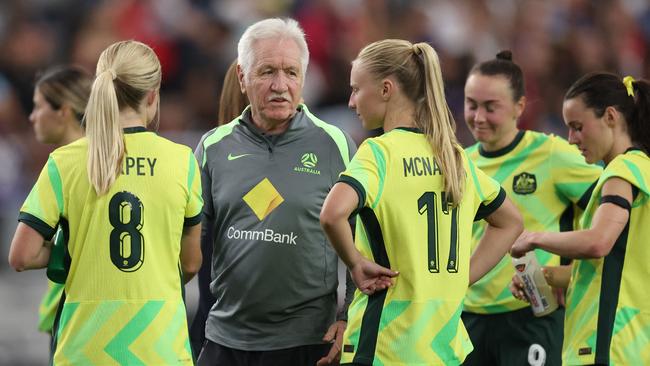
(402,200)
(123,301)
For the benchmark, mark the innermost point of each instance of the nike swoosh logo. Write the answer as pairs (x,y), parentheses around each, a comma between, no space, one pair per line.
(234,157)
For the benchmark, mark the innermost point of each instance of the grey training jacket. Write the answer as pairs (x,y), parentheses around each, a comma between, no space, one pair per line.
(274,274)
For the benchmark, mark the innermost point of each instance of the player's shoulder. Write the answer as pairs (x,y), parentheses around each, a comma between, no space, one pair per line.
(71,155)
(550,139)
(169,147)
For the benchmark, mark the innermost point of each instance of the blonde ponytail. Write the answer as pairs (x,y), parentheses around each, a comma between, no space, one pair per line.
(417,68)
(437,123)
(126,71)
(105,136)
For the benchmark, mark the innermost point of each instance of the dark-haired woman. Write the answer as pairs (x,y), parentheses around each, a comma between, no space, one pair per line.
(608,306)
(546,178)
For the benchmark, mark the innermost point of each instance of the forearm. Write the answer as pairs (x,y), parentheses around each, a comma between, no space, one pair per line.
(490,250)
(349,296)
(28,249)
(339,234)
(570,244)
(608,223)
(350,287)
(335,213)
(36,260)
(190,255)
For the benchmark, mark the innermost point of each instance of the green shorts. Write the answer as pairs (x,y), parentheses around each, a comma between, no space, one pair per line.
(514,338)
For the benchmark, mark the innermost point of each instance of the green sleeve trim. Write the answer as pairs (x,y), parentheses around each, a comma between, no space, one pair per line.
(335,133)
(358,187)
(636,172)
(190,175)
(477,184)
(381,169)
(37,224)
(486,210)
(191,221)
(219,133)
(55,181)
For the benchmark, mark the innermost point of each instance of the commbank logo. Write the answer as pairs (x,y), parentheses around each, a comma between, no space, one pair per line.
(263,198)
(309,161)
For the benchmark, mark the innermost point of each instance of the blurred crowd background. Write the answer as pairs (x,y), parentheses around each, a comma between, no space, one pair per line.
(554,41)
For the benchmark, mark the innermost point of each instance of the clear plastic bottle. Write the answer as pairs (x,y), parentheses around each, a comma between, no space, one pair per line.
(539,293)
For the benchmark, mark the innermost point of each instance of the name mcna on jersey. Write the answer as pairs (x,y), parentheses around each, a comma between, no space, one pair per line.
(267,235)
(419,166)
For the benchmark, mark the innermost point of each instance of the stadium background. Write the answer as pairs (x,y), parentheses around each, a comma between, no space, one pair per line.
(554,42)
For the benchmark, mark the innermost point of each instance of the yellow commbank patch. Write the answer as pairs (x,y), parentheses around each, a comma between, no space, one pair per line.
(263,198)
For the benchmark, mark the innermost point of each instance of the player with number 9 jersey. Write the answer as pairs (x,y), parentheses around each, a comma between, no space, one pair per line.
(123,297)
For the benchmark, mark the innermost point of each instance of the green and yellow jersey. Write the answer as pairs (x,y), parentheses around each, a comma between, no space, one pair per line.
(48,306)
(52,298)
(607,317)
(549,181)
(408,225)
(123,301)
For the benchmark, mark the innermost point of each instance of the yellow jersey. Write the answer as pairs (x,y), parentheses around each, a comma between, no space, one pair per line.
(123,300)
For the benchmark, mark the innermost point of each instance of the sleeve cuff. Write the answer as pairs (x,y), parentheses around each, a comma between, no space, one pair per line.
(191,221)
(37,224)
(361,192)
(485,210)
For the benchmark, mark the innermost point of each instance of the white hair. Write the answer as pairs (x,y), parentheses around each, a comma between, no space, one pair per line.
(271,28)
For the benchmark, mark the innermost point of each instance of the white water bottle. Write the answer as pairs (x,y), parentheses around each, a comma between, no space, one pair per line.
(539,293)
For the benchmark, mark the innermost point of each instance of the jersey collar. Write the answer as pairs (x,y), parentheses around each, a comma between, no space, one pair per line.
(410,129)
(511,146)
(632,148)
(296,126)
(135,129)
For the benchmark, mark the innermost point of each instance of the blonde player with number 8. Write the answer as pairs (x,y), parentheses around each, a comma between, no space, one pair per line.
(129,203)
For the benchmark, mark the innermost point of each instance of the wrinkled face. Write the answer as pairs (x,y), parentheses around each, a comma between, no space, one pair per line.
(589,133)
(366,97)
(49,126)
(490,111)
(274,86)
